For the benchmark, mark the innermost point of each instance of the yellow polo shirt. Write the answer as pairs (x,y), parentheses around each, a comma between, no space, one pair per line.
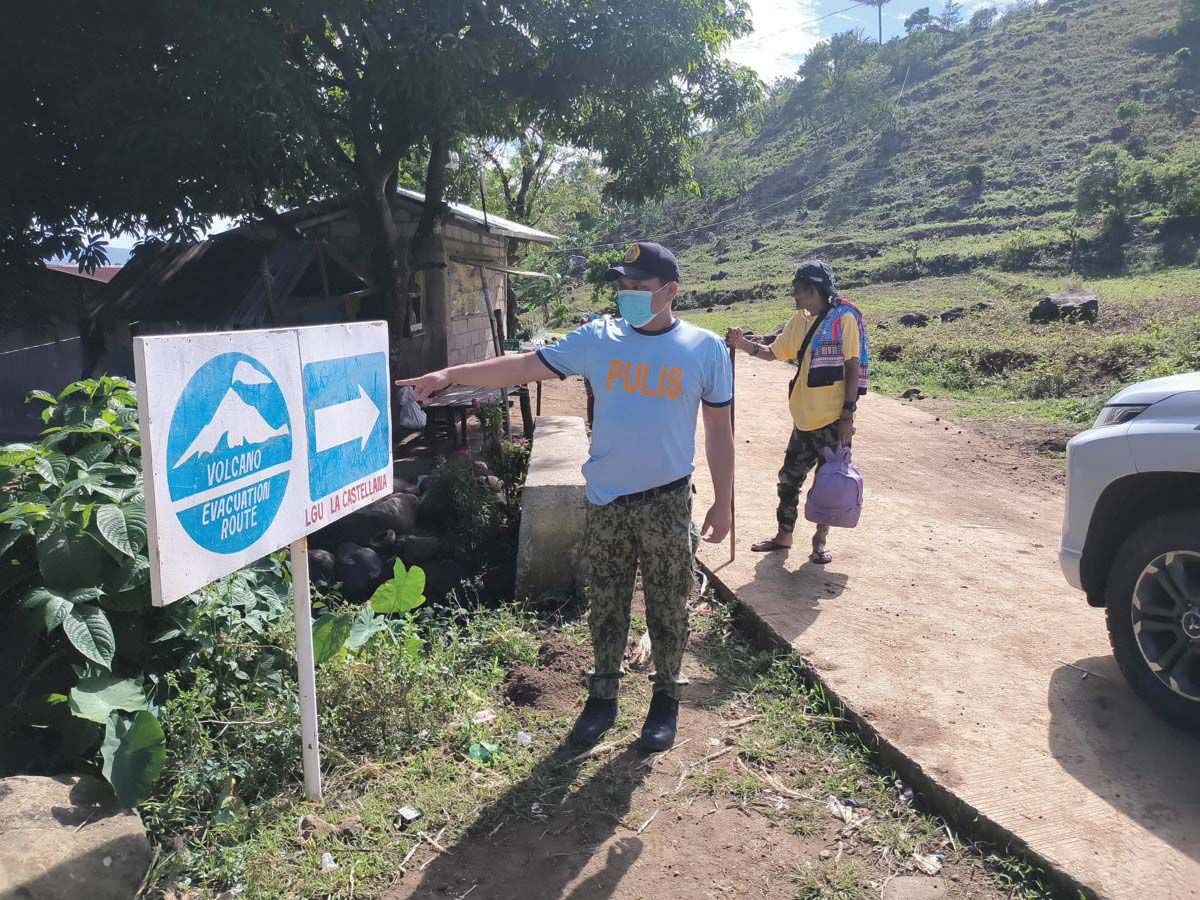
(815,407)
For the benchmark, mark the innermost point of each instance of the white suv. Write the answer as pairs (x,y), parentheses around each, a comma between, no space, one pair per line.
(1131,537)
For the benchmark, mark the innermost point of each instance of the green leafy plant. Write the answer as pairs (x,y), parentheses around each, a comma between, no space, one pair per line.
(73,545)
(510,463)
(402,595)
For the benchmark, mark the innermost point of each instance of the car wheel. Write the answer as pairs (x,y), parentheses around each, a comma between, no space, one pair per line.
(1153,613)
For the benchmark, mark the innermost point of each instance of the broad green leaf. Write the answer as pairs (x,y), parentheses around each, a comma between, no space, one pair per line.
(41,395)
(329,636)
(89,631)
(60,463)
(94,453)
(123,527)
(70,560)
(21,510)
(365,627)
(42,466)
(85,595)
(134,751)
(404,592)
(55,613)
(133,573)
(38,597)
(8,537)
(96,698)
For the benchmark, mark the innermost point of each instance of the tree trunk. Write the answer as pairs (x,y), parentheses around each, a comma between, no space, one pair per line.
(435,192)
(387,270)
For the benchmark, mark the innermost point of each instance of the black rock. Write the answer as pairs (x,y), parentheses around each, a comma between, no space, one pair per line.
(718,276)
(383,543)
(953,315)
(756,245)
(397,512)
(1077,306)
(358,569)
(980,307)
(914,320)
(320,565)
(416,549)
(913,394)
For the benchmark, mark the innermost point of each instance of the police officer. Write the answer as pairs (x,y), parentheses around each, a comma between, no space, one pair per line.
(650,373)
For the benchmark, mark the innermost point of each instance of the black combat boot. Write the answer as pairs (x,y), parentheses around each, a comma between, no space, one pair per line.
(658,733)
(597,717)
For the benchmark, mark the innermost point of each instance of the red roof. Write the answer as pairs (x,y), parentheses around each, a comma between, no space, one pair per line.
(102,273)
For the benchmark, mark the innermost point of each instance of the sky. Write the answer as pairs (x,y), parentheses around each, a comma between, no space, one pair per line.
(784,30)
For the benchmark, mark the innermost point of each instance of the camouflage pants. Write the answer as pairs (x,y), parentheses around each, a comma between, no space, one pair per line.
(802,456)
(656,532)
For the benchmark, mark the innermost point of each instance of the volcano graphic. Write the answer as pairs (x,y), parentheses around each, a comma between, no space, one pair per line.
(235,420)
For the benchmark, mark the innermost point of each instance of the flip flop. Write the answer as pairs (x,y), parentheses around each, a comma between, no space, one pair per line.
(768,545)
(820,558)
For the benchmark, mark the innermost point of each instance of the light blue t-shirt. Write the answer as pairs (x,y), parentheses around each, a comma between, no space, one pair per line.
(648,388)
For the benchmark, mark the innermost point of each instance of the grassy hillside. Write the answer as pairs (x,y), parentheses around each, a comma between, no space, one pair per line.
(941,172)
(992,360)
(1025,101)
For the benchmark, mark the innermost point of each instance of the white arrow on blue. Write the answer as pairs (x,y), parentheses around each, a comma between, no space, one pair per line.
(347,421)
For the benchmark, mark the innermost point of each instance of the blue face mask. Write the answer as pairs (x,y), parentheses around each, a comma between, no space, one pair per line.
(637,307)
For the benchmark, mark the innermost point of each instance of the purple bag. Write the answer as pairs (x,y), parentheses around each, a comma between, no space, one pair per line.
(836,495)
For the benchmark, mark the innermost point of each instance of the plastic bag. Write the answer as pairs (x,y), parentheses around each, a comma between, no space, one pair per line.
(410,414)
(836,495)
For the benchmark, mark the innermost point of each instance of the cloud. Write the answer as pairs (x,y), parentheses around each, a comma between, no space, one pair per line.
(784,31)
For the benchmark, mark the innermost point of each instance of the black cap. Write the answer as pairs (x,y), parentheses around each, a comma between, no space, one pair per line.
(645,260)
(817,273)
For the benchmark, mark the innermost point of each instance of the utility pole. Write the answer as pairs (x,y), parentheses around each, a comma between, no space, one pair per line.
(878,4)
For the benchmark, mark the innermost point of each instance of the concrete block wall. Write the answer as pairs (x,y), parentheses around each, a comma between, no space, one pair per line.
(553,509)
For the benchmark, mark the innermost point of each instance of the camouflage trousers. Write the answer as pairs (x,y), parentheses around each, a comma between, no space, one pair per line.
(802,456)
(656,533)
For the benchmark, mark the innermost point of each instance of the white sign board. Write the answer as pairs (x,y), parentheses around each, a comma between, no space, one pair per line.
(253,439)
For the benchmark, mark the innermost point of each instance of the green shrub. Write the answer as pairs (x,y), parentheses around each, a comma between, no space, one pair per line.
(73,544)
(1130,111)
(1017,253)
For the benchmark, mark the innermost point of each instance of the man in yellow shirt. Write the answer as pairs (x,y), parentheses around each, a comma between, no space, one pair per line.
(827,338)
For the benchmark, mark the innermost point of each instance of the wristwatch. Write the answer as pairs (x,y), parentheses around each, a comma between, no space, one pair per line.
(849,407)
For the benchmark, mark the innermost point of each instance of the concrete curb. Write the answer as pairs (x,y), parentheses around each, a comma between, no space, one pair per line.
(935,796)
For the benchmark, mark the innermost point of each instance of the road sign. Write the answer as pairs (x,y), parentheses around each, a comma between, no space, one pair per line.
(346,404)
(250,441)
(254,439)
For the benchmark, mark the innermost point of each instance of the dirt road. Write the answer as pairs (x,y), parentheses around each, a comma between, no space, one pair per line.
(945,623)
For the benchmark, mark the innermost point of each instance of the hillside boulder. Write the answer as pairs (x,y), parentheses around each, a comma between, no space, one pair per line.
(67,837)
(914,320)
(1076,306)
(953,315)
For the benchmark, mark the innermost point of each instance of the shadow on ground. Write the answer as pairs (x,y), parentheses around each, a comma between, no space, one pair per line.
(515,853)
(1110,742)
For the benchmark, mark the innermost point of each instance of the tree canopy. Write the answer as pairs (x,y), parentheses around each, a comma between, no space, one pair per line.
(132,117)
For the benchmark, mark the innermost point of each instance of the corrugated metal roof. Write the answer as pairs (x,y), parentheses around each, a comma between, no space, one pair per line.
(495,224)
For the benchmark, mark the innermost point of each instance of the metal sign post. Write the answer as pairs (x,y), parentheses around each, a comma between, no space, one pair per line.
(302,606)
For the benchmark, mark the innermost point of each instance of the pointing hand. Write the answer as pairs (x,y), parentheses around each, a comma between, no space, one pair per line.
(426,385)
